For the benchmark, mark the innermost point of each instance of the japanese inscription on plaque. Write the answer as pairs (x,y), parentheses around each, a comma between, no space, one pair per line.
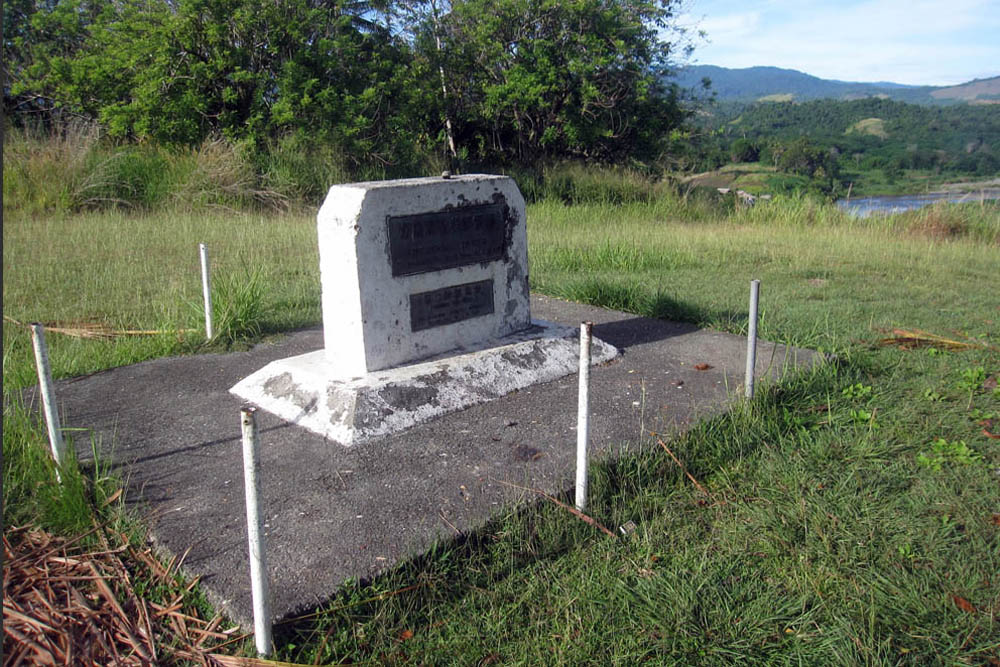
(446,239)
(450,304)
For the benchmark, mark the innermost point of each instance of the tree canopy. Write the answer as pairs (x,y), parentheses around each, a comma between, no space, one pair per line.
(508,81)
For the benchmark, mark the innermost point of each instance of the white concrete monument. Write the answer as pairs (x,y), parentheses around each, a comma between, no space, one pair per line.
(425,310)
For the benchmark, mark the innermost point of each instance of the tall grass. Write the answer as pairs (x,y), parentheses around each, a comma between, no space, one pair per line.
(239,305)
(824,273)
(73,169)
(942,221)
(31,493)
(141,272)
(303,169)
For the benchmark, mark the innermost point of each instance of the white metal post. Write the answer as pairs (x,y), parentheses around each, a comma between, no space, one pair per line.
(48,396)
(752,338)
(255,533)
(583,417)
(206,288)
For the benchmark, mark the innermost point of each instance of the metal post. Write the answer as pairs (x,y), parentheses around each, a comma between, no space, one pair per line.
(48,396)
(583,417)
(752,338)
(206,288)
(255,533)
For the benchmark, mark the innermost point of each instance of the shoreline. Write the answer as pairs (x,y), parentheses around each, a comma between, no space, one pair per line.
(990,188)
(969,187)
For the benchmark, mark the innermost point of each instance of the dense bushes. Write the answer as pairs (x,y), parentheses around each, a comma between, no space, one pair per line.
(76,168)
(378,89)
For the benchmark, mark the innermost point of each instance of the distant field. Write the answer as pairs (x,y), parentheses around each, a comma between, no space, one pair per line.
(872,126)
(754,177)
(777,97)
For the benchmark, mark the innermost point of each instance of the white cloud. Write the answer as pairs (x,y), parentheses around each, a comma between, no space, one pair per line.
(732,25)
(916,41)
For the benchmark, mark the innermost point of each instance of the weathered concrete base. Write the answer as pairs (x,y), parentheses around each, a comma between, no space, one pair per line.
(305,390)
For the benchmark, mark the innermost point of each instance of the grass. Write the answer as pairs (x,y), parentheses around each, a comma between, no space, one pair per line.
(142,272)
(74,168)
(828,279)
(822,541)
(851,515)
(29,471)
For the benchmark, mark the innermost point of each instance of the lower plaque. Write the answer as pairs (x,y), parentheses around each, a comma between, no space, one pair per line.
(448,305)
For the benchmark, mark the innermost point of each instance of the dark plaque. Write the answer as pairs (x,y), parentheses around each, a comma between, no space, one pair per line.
(445,239)
(450,304)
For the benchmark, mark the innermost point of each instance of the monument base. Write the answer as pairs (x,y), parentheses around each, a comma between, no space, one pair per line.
(304,390)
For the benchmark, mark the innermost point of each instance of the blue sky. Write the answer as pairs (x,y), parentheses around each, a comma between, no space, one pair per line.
(922,42)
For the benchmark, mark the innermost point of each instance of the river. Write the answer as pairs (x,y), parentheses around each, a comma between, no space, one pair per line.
(863,207)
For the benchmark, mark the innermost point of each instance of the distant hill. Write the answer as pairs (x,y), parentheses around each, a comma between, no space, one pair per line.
(777,84)
(980,90)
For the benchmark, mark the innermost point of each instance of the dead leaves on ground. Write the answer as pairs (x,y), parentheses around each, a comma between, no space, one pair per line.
(63,604)
(963,604)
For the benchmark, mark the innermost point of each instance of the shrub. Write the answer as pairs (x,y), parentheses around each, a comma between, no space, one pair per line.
(49,171)
(303,169)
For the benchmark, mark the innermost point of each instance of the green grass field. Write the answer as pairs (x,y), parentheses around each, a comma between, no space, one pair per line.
(853,512)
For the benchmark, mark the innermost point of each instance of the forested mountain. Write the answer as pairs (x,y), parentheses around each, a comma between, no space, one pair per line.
(761,83)
(834,142)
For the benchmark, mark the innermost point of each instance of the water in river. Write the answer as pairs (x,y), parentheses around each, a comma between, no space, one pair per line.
(863,207)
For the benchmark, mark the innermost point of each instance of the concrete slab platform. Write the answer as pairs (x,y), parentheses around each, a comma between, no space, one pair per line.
(306,391)
(173,429)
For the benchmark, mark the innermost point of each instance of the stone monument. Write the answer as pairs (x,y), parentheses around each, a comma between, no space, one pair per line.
(425,310)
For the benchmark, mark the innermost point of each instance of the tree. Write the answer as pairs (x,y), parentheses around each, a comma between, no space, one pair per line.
(41,46)
(744,150)
(179,71)
(511,81)
(537,79)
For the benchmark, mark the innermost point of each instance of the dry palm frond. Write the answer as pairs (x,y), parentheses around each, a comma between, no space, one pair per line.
(909,339)
(233,661)
(94,329)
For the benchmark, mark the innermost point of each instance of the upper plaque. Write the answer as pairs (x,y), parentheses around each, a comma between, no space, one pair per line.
(445,239)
